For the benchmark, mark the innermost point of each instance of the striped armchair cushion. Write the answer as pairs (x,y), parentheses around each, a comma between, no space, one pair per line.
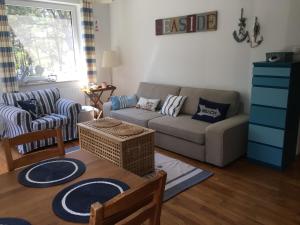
(13,98)
(47,99)
(51,121)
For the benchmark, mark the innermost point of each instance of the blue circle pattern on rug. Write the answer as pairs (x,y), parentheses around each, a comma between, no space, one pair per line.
(73,204)
(51,173)
(13,221)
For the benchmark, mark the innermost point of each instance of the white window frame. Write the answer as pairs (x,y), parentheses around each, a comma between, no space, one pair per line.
(69,5)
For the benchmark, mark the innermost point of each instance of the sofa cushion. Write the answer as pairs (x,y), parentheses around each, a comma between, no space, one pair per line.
(47,99)
(122,102)
(182,126)
(210,112)
(13,98)
(157,91)
(225,97)
(51,121)
(172,105)
(136,116)
(31,106)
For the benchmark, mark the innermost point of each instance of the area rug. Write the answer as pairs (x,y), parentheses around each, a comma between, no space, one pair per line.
(180,175)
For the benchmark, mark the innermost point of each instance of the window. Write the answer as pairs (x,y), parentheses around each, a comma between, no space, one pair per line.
(45,40)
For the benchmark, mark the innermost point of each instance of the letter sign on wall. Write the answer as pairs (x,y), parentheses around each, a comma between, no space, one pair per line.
(187,24)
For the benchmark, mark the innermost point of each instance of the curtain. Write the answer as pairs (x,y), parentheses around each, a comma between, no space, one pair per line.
(89,39)
(8,77)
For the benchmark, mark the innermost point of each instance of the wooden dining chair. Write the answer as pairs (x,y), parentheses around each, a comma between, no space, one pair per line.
(9,145)
(133,207)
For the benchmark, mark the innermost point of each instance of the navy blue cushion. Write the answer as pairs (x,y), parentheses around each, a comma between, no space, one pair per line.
(211,112)
(32,106)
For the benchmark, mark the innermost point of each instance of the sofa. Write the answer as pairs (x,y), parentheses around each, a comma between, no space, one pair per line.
(57,112)
(218,143)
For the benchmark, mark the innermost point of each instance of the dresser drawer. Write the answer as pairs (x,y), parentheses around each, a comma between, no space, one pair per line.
(266,154)
(271,82)
(272,71)
(266,135)
(268,116)
(269,97)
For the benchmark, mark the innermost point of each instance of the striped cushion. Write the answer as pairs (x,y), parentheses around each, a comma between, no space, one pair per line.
(13,98)
(172,105)
(51,121)
(46,98)
(122,102)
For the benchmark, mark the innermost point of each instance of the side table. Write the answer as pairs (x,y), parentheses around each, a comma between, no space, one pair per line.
(95,95)
(87,113)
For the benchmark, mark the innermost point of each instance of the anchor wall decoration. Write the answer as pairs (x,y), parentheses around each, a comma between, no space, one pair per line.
(242,35)
(255,39)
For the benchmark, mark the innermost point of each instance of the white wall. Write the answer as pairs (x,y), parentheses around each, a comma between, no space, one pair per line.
(209,59)
(102,38)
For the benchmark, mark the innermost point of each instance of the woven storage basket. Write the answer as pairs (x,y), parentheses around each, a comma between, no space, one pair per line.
(134,153)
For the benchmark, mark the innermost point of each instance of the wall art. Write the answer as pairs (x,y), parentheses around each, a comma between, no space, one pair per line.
(187,24)
(254,38)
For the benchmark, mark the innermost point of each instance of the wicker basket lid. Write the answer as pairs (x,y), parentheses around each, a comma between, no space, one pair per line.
(106,123)
(126,130)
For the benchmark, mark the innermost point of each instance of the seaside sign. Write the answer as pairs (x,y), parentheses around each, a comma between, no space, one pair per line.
(187,24)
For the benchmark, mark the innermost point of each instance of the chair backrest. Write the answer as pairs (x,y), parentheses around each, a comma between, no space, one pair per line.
(9,145)
(46,98)
(134,206)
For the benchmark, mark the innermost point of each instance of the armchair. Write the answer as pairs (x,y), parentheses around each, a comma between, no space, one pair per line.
(58,112)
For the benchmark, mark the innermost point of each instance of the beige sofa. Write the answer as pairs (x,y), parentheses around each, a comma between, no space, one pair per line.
(218,144)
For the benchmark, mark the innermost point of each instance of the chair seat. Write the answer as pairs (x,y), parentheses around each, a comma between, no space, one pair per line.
(51,121)
(137,116)
(182,126)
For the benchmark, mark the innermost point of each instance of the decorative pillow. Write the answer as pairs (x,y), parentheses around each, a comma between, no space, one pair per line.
(32,106)
(211,112)
(172,105)
(121,102)
(147,104)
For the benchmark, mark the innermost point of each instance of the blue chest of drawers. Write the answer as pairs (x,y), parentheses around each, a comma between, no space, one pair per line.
(274,114)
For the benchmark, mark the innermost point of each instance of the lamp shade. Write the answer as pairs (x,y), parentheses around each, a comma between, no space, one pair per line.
(110,59)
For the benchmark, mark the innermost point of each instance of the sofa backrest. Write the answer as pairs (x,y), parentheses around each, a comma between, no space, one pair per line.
(220,96)
(156,91)
(47,98)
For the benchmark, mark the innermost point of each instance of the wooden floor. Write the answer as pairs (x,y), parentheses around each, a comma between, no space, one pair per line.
(241,194)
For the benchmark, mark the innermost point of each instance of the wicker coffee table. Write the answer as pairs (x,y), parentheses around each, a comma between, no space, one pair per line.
(133,152)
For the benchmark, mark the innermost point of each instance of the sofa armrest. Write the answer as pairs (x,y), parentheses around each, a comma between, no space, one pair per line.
(68,108)
(16,116)
(106,109)
(226,140)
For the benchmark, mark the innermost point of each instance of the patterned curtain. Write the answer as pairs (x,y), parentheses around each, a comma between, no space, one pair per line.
(89,39)
(8,77)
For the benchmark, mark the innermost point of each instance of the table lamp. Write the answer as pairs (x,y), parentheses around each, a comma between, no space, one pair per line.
(110,60)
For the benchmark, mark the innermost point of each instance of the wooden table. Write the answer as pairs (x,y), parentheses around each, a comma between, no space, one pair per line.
(35,204)
(95,95)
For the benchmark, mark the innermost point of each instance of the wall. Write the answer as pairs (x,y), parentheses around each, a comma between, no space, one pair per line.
(209,59)
(102,38)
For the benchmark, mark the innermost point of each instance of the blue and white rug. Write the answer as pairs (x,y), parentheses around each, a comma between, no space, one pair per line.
(180,175)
